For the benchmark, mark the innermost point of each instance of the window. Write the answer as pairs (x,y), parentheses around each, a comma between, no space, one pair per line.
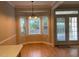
(72,28)
(45,25)
(60,29)
(22,24)
(34,26)
(66,12)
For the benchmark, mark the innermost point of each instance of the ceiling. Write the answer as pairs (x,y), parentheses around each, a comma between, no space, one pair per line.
(71,2)
(28,4)
(40,4)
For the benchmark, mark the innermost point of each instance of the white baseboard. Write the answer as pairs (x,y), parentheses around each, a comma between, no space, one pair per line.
(7,38)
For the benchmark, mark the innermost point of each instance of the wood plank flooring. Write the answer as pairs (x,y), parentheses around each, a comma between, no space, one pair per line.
(43,50)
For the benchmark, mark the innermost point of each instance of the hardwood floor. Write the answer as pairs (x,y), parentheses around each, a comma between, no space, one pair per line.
(42,50)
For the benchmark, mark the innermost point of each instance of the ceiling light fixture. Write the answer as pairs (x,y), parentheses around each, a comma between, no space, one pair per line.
(32,15)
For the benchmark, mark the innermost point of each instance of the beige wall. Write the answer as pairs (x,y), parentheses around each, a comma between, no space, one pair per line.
(7,21)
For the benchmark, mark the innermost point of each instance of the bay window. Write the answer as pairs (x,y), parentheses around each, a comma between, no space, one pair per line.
(33,25)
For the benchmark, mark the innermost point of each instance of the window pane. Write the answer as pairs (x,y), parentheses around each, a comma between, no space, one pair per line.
(45,25)
(73,28)
(22,24)
(66,12)
(34,26)
(60,29)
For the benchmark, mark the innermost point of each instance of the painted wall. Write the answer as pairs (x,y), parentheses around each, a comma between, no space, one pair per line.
(7,22)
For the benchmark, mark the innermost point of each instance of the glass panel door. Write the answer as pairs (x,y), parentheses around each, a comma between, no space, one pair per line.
(60,29)
(73,29)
